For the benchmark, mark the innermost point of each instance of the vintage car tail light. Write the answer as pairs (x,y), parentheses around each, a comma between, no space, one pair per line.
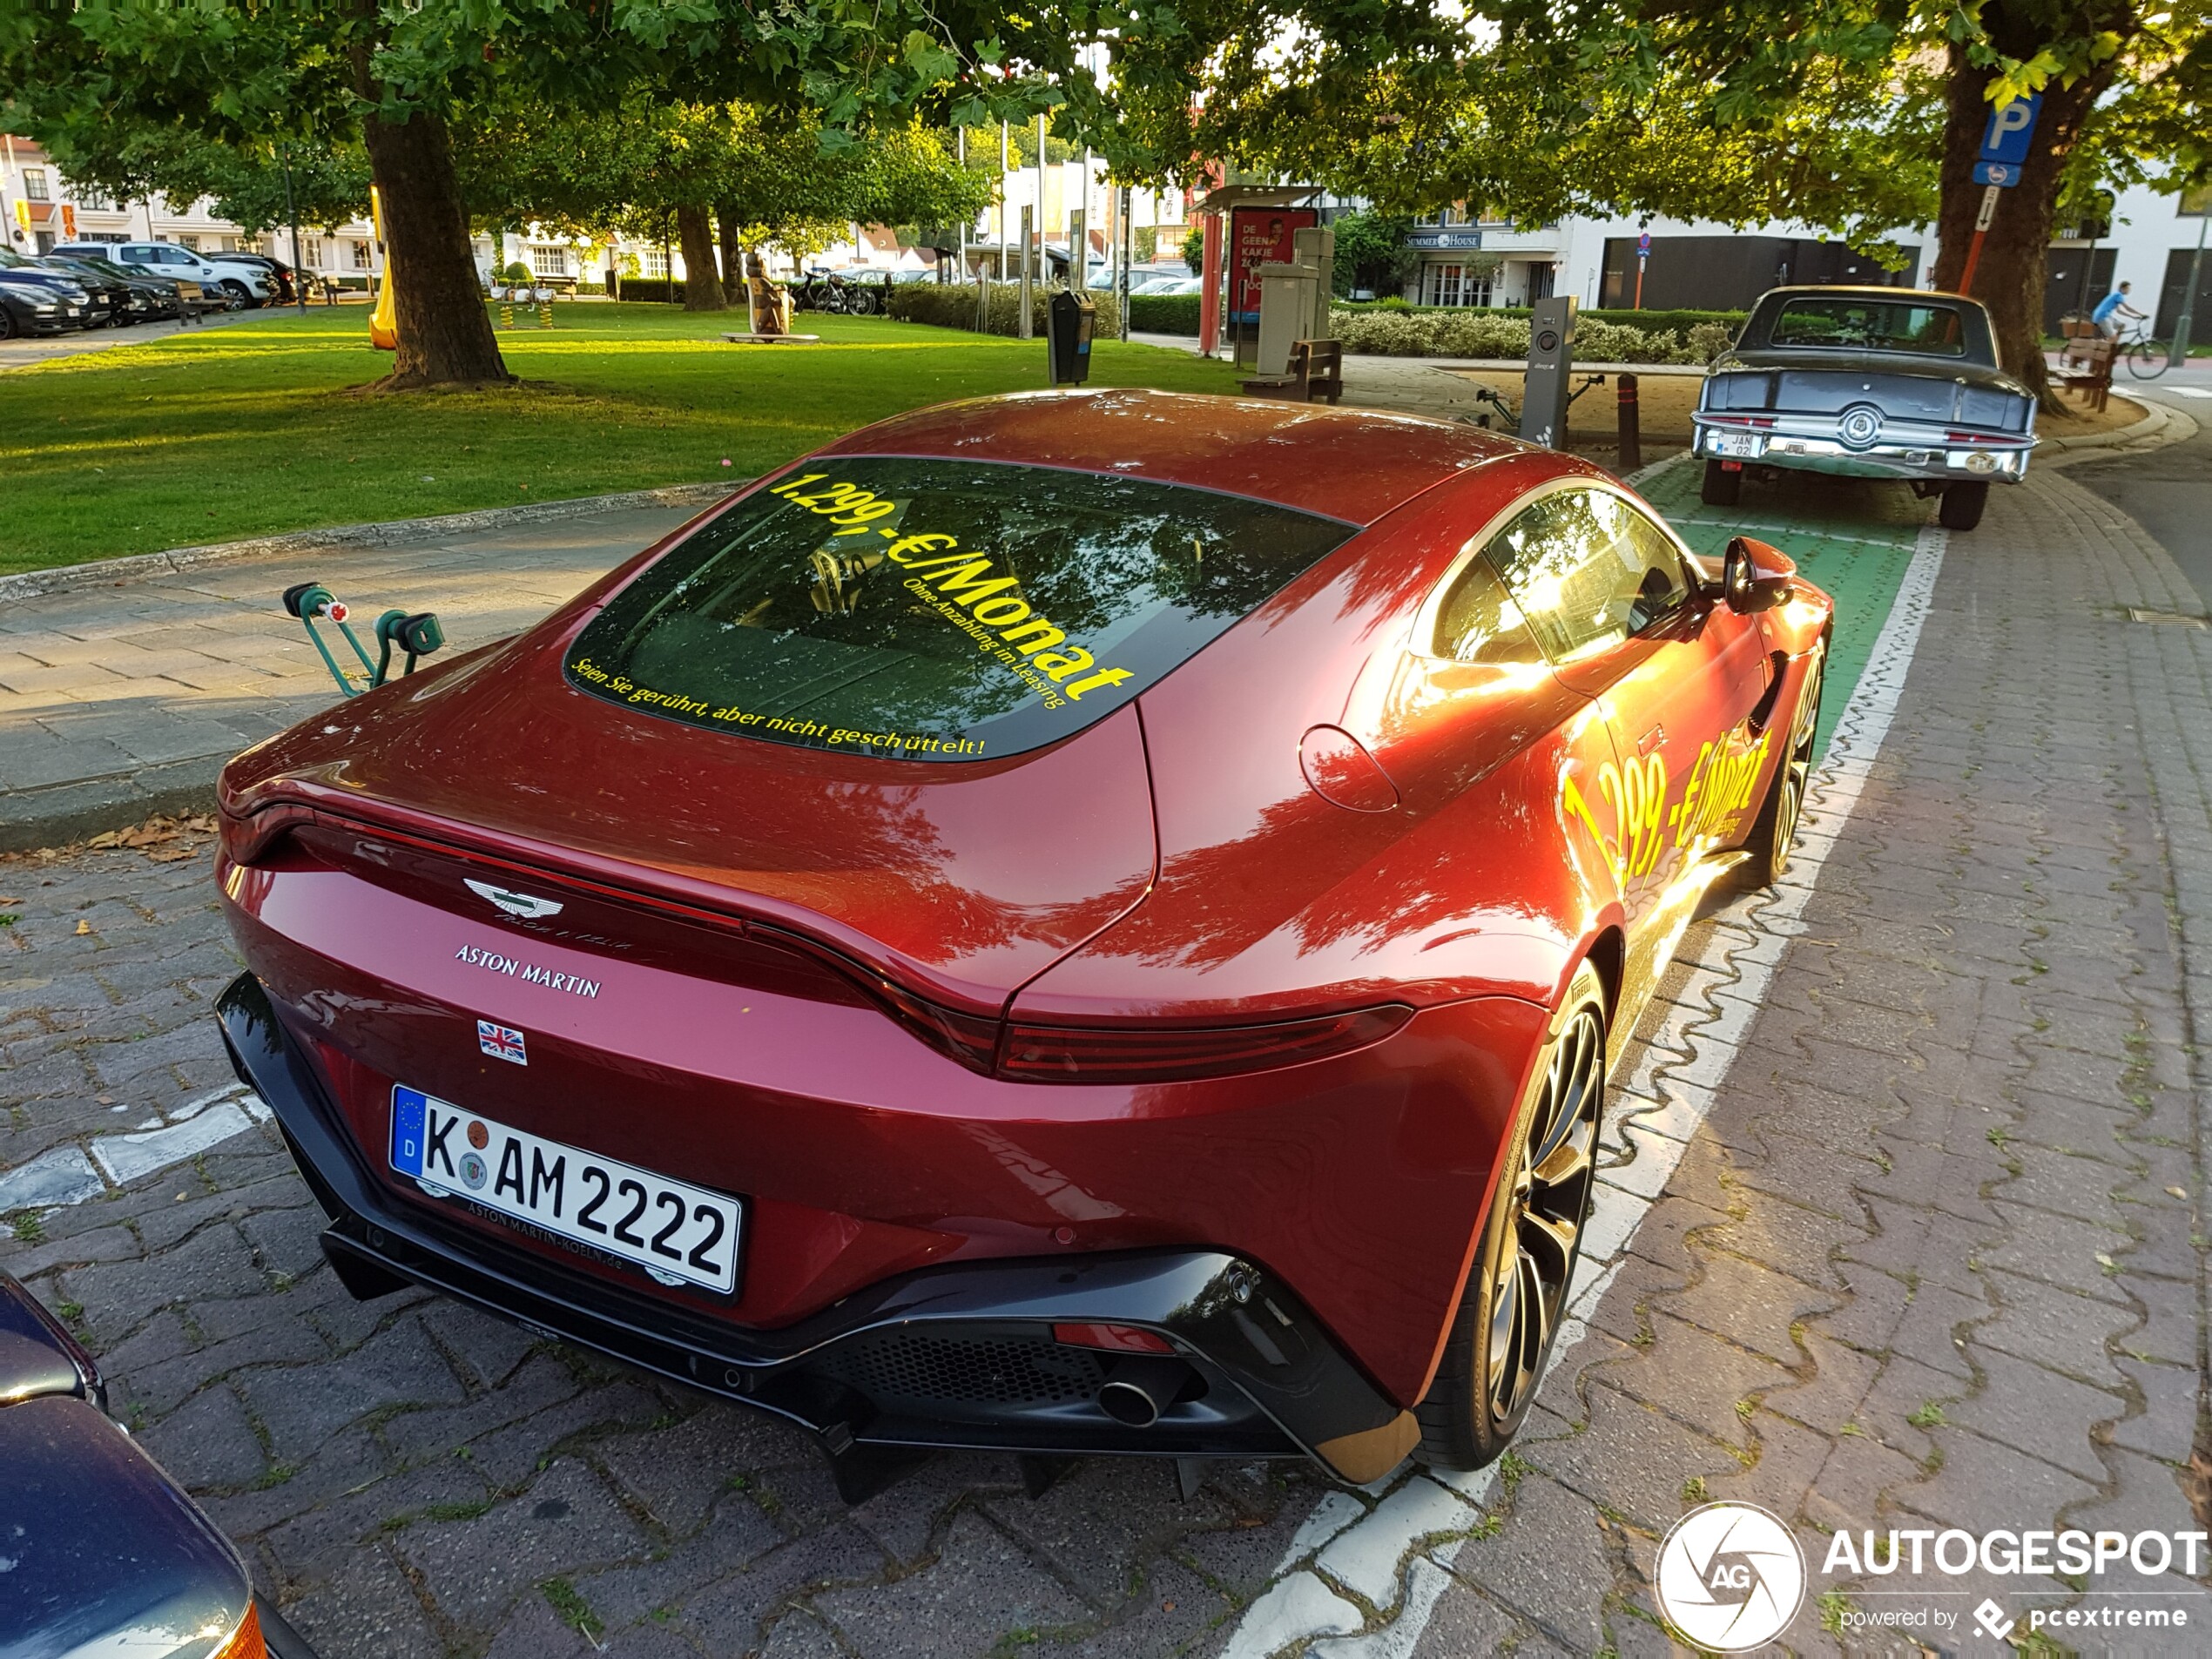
(1113,1338)
(1981,437)
(1154,1053)
(245,1641)
(1735,419)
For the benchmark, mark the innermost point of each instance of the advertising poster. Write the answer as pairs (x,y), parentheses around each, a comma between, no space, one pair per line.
(1260,236)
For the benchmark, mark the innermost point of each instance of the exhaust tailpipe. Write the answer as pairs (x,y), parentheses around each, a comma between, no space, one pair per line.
(1140,1388)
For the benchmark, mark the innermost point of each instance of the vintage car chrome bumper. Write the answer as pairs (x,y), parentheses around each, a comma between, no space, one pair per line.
(1894,452)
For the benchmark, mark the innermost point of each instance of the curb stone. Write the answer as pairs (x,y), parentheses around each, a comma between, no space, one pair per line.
(30,584)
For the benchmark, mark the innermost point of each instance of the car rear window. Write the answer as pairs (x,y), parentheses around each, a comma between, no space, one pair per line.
(937,610)
(1869,324)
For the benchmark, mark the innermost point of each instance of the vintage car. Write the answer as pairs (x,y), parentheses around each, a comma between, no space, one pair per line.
(100,1552)
(1867,383)
(1076,922)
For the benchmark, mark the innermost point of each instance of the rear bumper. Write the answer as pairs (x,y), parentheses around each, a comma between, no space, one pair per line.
(960,1355)
(1897,455)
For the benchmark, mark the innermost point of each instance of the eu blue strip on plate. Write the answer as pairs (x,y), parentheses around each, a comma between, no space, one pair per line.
(408,1107)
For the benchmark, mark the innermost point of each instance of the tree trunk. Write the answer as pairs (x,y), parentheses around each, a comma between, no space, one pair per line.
(702,288)
(446,336)
(2010,277)
(733,271)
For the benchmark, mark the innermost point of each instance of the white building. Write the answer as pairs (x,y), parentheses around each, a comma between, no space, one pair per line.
(1700,265)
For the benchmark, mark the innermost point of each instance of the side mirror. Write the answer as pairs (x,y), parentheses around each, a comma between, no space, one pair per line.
(1754,576)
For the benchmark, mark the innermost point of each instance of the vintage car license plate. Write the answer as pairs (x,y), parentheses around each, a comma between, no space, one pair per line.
(677,1232)
(1733,443)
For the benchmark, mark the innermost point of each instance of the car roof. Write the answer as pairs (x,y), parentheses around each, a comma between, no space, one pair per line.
(1351,464)
(1869,290)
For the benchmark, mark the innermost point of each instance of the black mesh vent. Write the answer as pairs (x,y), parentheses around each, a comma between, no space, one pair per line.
(976,1371)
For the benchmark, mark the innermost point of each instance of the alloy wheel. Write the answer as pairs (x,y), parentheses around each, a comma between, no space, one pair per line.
(1796,770)
(1549,1200)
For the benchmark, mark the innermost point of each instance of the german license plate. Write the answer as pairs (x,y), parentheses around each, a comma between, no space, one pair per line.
(679,1233)
(1732,443)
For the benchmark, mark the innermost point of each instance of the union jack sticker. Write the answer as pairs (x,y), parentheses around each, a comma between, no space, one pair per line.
(501,1042)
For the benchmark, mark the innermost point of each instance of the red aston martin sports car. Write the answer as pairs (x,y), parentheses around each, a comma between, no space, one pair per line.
(1074,922)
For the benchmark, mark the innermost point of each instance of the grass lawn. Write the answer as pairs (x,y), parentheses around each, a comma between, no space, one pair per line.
(255,429)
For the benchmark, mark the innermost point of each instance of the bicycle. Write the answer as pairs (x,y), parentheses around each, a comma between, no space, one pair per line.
(2146,357)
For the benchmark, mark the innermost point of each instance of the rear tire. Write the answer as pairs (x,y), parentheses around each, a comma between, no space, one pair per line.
(1962,506)
(1774,832)
(1524,1264)
(7,324)
(1722,487)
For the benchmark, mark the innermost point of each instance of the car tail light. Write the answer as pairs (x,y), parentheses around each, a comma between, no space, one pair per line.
(972,1039)
(1139,1053)
(1734,420)
(246,836)
(1981,437)
(245,1643)
(1115,1339)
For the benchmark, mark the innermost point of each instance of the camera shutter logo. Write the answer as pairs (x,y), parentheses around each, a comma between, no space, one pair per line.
(1731,1577)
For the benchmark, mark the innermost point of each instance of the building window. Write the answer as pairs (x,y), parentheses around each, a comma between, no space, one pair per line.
(34,183)
(361,255)
(93,200)
(244,244)
(550,261)
(653,262)
(1445,283)
(192,242)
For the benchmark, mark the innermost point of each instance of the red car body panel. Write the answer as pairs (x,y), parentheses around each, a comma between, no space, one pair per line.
(1308,815)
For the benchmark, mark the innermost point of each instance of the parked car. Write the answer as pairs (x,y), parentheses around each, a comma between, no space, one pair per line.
(242,283)
(167,297)
(1867,383)
(39,302)
(286,279)
(105,1554)
(129,299)
(114,301)
(1086,913)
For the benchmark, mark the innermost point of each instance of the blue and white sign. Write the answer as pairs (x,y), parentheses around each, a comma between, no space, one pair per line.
(1997,174)
(2007,136)
(1644,246)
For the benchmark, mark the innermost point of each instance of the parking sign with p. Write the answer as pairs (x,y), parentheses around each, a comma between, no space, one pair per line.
(2006,139)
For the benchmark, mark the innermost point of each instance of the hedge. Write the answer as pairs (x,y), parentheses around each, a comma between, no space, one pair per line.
(953,306)
(1391,328)
(1165,314)
(652,288)
(1488,333)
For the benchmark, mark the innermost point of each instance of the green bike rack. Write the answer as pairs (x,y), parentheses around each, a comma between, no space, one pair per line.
(414,634)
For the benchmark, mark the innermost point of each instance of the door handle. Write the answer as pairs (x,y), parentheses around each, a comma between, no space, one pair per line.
(1651,739)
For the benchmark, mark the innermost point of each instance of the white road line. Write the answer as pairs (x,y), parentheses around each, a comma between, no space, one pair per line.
(64,1174)
(1656,1109)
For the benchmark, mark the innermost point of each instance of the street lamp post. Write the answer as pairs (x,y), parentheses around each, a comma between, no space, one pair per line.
(291,215)
(2178,353)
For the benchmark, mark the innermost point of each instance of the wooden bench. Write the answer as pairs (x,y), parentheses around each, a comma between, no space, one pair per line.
(2086,366)
(1316,375)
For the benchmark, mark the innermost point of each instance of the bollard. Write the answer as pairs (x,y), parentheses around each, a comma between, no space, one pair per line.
(1631,433)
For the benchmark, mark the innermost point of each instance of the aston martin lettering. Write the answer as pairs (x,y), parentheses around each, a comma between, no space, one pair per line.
(529,973)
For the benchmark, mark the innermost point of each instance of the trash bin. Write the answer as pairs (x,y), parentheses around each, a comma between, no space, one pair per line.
(1069,320)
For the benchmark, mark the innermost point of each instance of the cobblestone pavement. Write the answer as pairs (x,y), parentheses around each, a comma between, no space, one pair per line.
(1914,1191)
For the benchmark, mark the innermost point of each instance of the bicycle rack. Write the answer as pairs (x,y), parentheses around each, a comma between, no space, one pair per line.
(414,636)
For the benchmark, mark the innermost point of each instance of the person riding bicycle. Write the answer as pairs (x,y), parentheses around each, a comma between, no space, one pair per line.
(2112,311)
